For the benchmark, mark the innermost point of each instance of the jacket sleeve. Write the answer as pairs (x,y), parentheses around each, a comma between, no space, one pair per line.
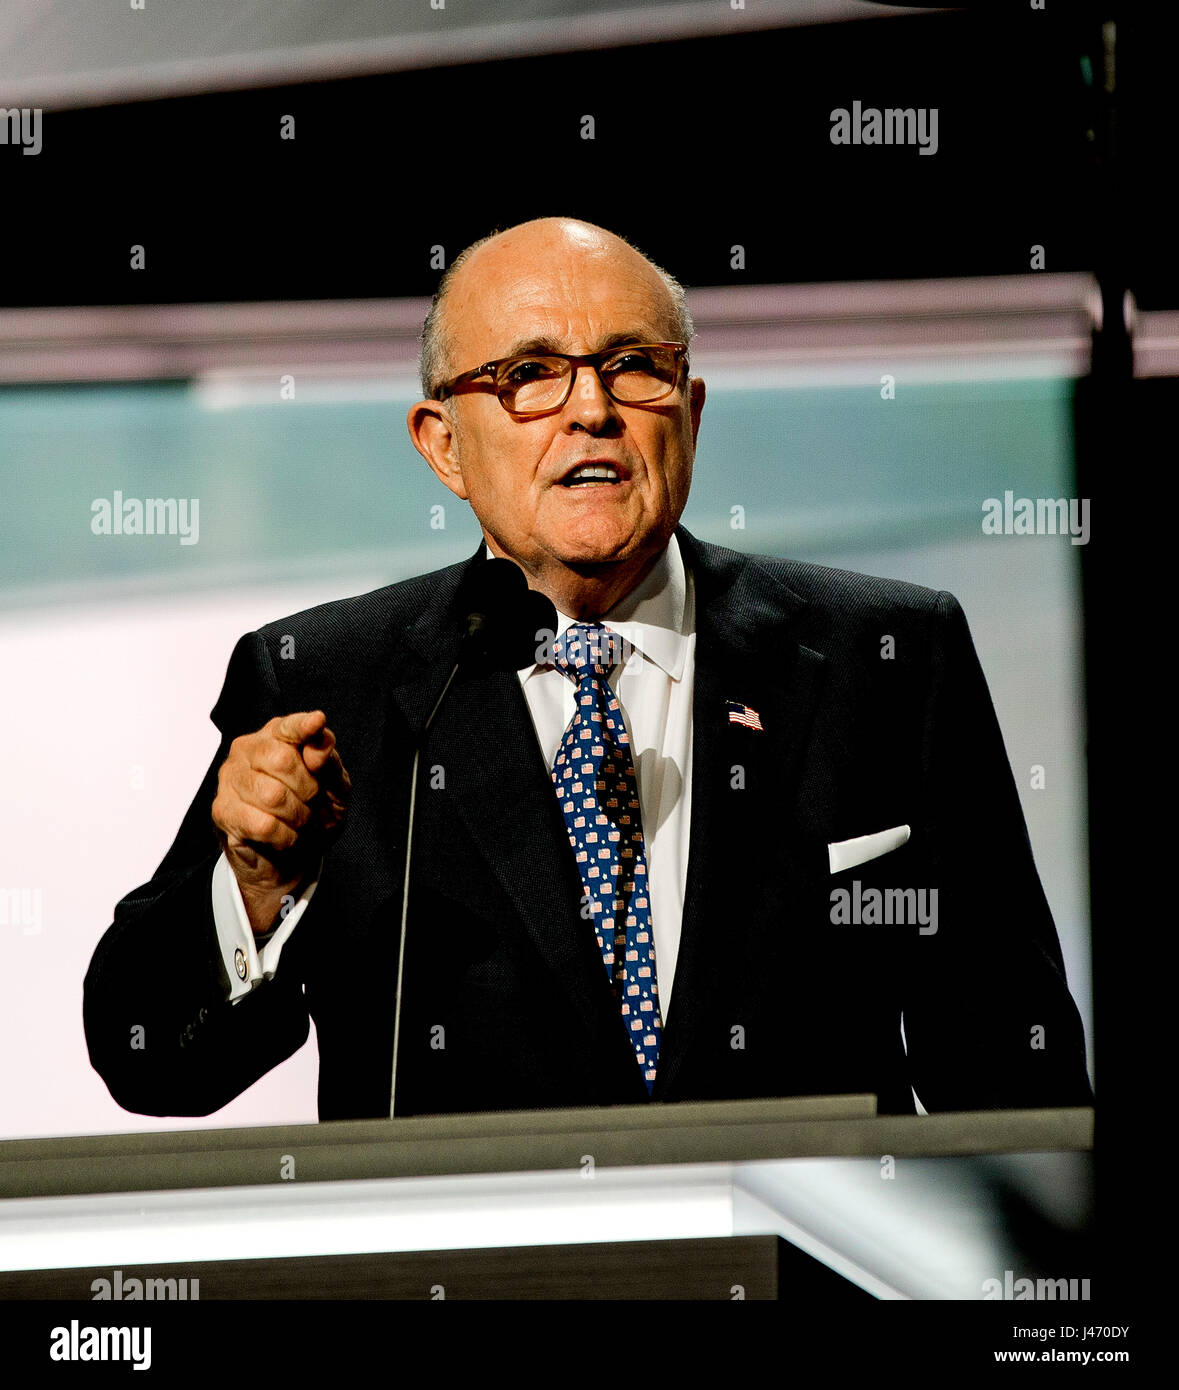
(160,1028)
(988,1018)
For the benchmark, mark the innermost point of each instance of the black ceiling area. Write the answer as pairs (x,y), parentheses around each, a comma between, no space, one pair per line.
(700,144)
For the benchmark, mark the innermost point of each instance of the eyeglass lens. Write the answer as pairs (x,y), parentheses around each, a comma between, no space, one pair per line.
(633,375)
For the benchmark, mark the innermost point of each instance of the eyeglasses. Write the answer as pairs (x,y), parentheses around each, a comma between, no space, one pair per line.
(536,383)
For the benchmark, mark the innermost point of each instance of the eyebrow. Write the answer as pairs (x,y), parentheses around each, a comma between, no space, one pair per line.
(545,344)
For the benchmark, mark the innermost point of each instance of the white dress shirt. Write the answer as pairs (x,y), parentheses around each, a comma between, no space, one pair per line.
(653,682)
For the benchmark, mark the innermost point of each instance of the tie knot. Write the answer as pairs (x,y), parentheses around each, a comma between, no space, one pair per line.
(585,649)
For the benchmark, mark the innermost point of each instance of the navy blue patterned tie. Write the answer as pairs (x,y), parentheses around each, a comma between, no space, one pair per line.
(594,776)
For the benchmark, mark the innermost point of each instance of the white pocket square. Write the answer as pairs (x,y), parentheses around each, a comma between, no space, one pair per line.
(846,854)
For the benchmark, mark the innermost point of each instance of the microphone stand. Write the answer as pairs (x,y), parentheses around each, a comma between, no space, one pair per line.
(475,624)
(505,600)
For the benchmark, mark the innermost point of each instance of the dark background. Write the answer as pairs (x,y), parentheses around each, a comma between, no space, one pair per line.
(700,144)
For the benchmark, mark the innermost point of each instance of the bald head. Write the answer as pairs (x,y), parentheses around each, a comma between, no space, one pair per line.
(563,287)
(490,277)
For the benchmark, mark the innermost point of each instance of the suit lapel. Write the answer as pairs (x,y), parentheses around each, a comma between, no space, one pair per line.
(746,652)
(484,737)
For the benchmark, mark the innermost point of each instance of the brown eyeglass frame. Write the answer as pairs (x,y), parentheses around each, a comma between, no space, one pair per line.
(594,359)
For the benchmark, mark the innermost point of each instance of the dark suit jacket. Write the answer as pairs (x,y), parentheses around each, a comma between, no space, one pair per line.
(771,997)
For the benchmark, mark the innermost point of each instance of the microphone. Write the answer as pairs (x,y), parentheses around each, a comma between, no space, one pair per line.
(504,618)
(503,623)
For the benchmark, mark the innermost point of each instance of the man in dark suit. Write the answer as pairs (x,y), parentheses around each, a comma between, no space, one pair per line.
(821,879)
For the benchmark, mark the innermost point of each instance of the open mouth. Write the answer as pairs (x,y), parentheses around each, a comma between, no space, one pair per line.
(592,475)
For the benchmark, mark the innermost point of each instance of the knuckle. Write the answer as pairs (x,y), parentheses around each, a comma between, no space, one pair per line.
(240,747)
(263,826)
(270,793)
(283,758)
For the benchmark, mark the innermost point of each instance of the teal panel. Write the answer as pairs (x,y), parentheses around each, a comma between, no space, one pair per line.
(287,485)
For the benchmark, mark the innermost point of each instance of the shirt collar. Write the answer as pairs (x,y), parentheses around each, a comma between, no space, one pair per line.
(652,617)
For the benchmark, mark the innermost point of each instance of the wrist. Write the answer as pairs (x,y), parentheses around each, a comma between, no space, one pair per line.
(264,906)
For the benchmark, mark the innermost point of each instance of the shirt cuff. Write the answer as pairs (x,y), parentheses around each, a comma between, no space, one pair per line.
(245,965)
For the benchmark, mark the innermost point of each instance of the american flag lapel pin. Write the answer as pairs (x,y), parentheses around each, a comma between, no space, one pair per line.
(744,715)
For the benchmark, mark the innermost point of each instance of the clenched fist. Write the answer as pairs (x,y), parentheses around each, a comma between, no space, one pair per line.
(282,795)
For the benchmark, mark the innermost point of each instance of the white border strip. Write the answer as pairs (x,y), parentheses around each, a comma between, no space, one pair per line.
(349,1218)
(438,47)
(948,328)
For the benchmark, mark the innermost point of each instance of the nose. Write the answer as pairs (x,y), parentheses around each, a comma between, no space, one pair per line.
(589,405)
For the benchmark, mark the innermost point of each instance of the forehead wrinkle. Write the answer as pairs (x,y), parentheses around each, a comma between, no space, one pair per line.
(557,326)
(545,343)
(496,289)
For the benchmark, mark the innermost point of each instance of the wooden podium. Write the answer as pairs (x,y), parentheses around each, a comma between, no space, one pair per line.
(654,1201)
